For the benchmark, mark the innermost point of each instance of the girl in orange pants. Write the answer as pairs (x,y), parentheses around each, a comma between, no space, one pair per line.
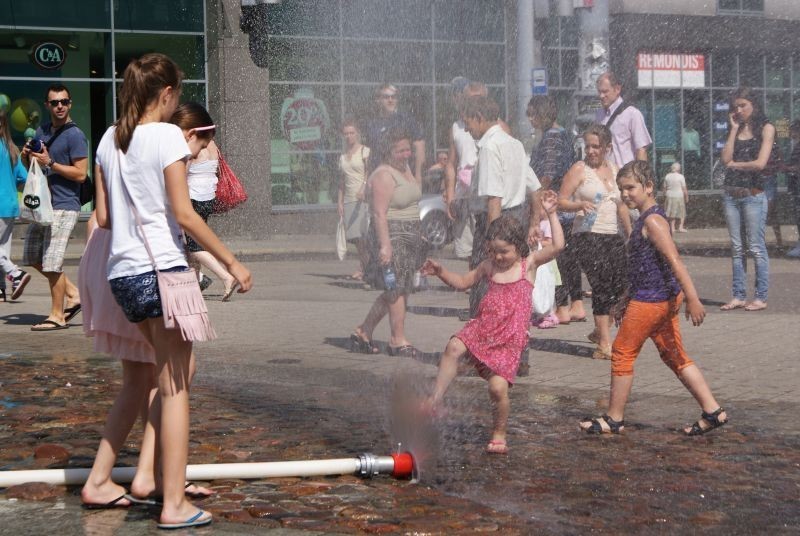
(658,283)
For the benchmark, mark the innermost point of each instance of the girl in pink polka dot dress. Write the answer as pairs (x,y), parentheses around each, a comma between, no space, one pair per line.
(492,341)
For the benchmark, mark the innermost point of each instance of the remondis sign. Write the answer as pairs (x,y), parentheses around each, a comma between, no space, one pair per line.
(670,70)
(48,55)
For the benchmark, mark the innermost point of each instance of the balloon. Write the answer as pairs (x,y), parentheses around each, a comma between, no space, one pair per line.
(30,133)
(5,103)
(25,113)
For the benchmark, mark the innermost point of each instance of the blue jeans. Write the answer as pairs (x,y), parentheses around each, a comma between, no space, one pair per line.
(750,211)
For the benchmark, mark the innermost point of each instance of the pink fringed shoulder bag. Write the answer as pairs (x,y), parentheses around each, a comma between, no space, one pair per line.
(181,299)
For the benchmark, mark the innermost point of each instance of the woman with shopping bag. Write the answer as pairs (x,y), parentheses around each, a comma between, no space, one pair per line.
(352,199)
(12,175)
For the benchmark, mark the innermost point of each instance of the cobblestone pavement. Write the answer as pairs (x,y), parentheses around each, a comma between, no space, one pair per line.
(280,385)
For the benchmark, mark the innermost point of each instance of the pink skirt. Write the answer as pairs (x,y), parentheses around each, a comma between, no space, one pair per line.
(103,319)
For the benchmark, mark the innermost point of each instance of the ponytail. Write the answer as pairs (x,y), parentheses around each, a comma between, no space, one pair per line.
(143,81)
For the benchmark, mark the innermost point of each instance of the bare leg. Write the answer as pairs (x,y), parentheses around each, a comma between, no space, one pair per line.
(374,316)
(576,310)
(681,228)
(99,487)
(448,368)
(498,392)
(71,292)
(562,312)
(173,361)
(204,258)
(694,381)
(58,288)
(147,480)
(363,254)
(672,224)
(397,320)
(602,328)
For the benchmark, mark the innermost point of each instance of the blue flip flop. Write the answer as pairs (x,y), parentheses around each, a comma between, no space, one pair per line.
(193,521)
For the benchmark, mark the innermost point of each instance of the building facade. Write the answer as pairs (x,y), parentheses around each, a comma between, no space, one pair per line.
(280,76)
(85,44)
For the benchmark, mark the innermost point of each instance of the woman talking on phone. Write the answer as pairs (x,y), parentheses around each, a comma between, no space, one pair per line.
(745,155)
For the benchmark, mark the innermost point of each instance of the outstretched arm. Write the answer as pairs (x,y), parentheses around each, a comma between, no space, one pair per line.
(550,251)
(657,231)
(178,196)
(457,281)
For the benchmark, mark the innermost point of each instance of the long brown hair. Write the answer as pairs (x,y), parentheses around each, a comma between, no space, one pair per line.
(192,115)
(5,137)
(142,82)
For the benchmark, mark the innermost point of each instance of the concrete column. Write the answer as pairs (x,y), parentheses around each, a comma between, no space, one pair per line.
(239,103)
(525,62)
(594,57)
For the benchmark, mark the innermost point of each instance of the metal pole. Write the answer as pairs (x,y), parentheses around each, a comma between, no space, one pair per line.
(525,60)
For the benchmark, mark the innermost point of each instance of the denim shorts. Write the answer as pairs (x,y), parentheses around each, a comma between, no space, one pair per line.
(138,295)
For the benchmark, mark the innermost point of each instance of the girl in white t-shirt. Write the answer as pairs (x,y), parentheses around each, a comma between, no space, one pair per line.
(149,155)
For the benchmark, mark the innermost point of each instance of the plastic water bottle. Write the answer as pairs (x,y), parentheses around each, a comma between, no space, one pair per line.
(389,277)
(590,217)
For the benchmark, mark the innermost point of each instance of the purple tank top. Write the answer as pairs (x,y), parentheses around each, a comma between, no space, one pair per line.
(650,278)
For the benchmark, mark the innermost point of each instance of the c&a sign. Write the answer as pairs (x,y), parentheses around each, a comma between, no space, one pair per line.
(48,55)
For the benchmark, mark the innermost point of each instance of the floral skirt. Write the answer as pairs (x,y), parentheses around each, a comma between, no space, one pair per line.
(409,252)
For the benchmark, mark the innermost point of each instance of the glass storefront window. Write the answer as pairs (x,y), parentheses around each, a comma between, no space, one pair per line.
(303,59)
(384,19)
(186,50)
(695,139)
(387,61)
(751,70)
(779,109)
(86,54)
(724,70)
(303,18)
(470,20)
(63,14)
(779,70)
(173,15)
(666,130)
(474,61)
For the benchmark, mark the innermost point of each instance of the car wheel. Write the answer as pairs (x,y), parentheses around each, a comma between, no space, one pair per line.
(436,229)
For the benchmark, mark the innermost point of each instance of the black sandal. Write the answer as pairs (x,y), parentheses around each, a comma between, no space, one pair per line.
(407,350)
(361,346)
(711,418)
(614,427)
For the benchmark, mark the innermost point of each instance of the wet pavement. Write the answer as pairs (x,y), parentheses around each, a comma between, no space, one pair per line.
(280,385)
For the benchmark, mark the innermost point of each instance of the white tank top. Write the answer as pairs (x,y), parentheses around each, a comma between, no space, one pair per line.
(466,148)
(202,179)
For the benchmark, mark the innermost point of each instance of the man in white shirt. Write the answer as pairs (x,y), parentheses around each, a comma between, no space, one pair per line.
(503,182)
(629,135)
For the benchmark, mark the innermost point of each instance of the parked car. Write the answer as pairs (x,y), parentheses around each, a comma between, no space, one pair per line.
(436,226)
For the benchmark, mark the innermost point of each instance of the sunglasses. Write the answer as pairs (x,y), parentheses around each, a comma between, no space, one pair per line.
(62,102)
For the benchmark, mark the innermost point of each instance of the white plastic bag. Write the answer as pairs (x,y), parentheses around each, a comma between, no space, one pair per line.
(36,205)
(341,240)
(544,289)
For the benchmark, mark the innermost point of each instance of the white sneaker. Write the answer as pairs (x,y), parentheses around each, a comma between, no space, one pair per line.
(794,252)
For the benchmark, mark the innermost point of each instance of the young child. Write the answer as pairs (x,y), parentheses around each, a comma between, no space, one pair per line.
(198,130)
(141,161)
(544,288)
(658,283)
(495,338)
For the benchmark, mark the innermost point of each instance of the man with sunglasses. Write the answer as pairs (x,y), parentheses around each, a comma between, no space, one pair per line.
(388,117)
(64,160)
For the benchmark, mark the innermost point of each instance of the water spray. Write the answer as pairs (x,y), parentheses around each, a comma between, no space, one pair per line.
(399,465)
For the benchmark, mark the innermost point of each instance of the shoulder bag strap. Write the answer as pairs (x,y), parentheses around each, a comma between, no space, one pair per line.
(132,206)
(57,133)
(616,113)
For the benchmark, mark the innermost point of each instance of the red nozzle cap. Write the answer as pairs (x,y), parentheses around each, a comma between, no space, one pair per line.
(403,465)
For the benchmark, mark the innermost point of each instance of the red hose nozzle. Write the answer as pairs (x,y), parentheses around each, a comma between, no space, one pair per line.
(403,465)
